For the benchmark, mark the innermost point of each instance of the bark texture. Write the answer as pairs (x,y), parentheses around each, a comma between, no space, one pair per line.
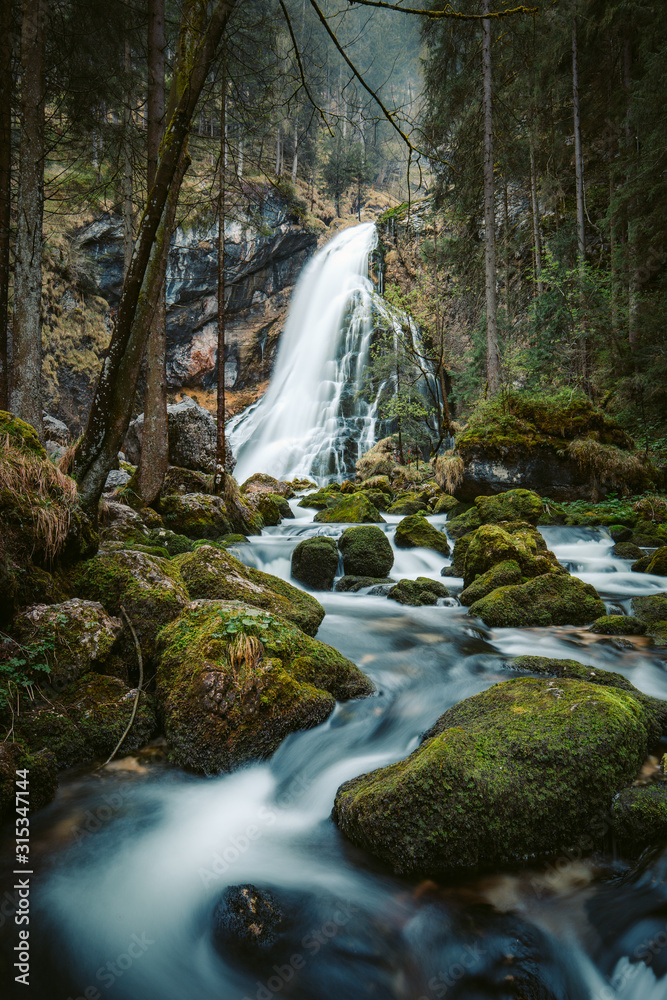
(492,362)
(5,192)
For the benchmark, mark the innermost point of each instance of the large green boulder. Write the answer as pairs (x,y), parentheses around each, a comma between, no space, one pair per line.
(422,591)
(443,504)
(366,551)
(315,562)
(408,503)
(494,543)
(74,637)
(618,625)
(326,497)
(150,590)
(210,573)
(415,531)
(652,608)
(658,563)
(639,817)
(353,509)
(234,681)
(352,584)
(461,524)
(551,599)
(195,515)
(514,505)
(503,574)
(521,770)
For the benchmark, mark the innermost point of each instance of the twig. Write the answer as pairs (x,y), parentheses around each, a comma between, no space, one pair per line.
(136,700)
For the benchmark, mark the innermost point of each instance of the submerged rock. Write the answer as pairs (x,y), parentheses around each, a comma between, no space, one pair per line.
(415,531)
(418,592)
(315,562)
(233,681)
(209,573)
(247,921)
(546,600)
(366,551)
(352,509)
(501,777)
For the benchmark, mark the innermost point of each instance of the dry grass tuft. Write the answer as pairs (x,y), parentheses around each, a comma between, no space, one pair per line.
(610,465)
(244,655)
(448,469)
(380,460)
(35,489)
(652,507)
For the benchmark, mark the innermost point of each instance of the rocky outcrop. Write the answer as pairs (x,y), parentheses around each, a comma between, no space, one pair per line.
(192,438)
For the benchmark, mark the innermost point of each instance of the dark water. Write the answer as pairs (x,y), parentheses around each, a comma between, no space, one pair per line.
(131,861)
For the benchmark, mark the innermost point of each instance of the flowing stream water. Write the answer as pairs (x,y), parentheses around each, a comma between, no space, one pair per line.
(131,860)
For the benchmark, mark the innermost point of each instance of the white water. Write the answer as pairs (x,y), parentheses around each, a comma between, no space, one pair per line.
(311,421)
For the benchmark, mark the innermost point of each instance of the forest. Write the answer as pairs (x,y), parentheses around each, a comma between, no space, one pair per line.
(333,489)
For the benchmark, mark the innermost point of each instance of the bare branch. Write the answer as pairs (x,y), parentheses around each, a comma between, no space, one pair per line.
(448,12)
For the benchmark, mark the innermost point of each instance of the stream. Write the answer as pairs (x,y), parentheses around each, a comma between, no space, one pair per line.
(130,861)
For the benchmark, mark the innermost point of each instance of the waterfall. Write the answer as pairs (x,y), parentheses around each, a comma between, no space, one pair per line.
(312,420)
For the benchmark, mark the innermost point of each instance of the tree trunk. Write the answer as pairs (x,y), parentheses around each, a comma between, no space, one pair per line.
(492,363)
(535,206)
(221,441)
(5,192)
(506,216)
(128,204)
(111,408)
(578,158)
(154,458)
(295,152)
(633,275)
(25,396)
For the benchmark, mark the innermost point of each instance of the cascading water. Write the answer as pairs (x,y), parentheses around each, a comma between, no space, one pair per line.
(312,420)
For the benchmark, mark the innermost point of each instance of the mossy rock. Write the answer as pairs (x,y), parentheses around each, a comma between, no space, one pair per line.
(352,584)
(179,480)
(269,508)
(503,574)
(315,562)
(639,817)
(195,515)
(380,500)
(210,573)
(21,435)
(366,551)
(419,592)
(227,541)
(514,505)
(76,636)
(501,778)
(551,599)
(620,532)
(651,609)
(627,550)
(234,681)
(174,543)
(380,483)
(353,509)
(43,778)
(444,504)
(641,565)
(408,503)
(618,625)
(658,563)
(321,499)
(495,543)
(260,482)
(462,524)
(458,557)
(416,532)
(346,487)
(150,590)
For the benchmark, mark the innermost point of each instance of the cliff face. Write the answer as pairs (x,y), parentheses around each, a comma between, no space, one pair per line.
(263,256)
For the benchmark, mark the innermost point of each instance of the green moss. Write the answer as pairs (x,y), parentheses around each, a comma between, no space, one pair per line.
(618,625)
(195,515)
(495,543)
(353,509)
(321,499)
(418,592)
(351,584)
(639,817)
(21,435)
(315,562)
(627,550)
(444,504)
(415,531)
(15,756)
(658,563)
(221,711)
(502,777)
(408,503)
(514,505)
(504,574)
(546,600)
(463,523)
(650,609)
(366,551)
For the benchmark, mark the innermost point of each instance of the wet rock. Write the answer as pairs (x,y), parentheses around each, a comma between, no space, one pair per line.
(233,681)
(620,533)
(573,670)
(247,920)
(522,543)
(272,507)
(658,563)
(641,565)
(408,503)
(192,437)
(503,574)
(315,562)
(262,483)
(415,531)
(422,591)
(501,777)
(210,573)
(366,551)
(444,504)
(618,625)
(77,636)
(546,600)
(639,817)
(512,505)
(42,768)
(322,498)
(354,509)
(352,584)
(652,608)
(627,550)
(462,524)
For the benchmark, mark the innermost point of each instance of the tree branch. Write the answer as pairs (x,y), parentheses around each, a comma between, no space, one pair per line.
(448,12)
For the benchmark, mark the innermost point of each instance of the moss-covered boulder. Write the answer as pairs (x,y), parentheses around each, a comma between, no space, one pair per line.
(315,562)
(211,573)
(195,515)
(178,480)
(462,524)
(260,482)
(641,565)
(150,589)
(658,563)
(415,531)
(627,550)
(639,817)
(352,584)
(546,600)
(422,591)
(321,499)
(381,501)
(380,483)
(366,551)
(458,557)
(75,637)
(492,544)
(652,608)
(501,777)
(618,625)
(353,509)
(233,681)
(380,460)
(270,508)
(514,505)
(504,574)
(408,503)
(42,776)
(170,540)
(444,504)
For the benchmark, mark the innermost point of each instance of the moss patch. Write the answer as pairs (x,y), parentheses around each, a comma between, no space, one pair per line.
(366,551)
(315,562)
(418,592)
(353,509)
(618,625)
(415,531)
(546,600)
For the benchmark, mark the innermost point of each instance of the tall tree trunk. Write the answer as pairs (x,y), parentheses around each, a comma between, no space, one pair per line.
(5,192)
(535,206)
(154,458)
(506,218)
(492,362)
(112,403)
(26,392)
(221,440)
(128,179)
(633,270)
(295,152)
(578,157)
